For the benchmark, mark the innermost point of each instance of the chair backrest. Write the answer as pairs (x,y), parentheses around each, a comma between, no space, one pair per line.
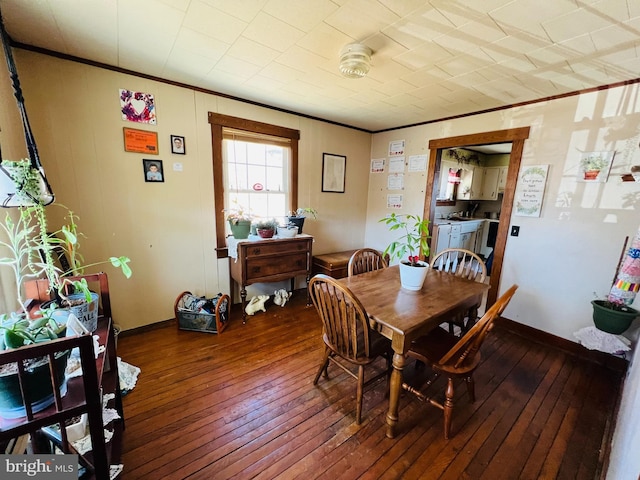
(366,260)
(465,350)
(345,321)
(460,262)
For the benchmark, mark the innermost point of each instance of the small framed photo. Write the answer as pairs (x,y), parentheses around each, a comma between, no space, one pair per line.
(333,172)
(177,145)
(153,170)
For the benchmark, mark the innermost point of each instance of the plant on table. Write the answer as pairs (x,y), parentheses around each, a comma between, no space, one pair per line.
(409,247)
(297,218)
(266,228)
(237,214)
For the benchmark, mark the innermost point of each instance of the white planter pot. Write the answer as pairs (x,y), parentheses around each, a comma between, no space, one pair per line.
(412,278)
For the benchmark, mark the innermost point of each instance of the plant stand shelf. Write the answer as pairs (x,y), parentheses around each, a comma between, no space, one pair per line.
(83,396)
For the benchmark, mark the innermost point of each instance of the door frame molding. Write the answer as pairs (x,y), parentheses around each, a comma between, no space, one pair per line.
(515,136)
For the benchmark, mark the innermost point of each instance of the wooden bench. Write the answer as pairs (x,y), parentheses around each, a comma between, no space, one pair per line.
(332,264)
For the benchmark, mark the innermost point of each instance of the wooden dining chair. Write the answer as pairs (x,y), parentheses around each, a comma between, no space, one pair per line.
(466,264)
(349,340)
(366,260)
(453,357)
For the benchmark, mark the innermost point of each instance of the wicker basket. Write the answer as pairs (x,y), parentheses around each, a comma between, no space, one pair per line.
(201,321)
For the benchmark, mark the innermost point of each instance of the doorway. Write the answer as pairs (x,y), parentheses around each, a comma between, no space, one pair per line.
(515,136)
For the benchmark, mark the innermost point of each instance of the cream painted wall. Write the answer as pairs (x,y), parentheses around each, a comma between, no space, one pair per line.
(167,229)
(571,251)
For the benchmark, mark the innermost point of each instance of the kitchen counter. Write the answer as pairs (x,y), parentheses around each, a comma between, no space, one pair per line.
(448,221)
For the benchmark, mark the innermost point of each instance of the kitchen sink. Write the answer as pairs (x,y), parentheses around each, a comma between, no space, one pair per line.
(461,219)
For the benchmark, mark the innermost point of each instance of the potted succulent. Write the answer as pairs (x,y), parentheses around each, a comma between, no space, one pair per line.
(409,248)
(16,332)
(297,217)
(266,228)
(239,221)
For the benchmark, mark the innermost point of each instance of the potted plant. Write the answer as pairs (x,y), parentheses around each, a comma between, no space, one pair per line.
(615,314)
(297,217)
(17,331)
(409,248)
(30,247)
(592,164)
(266,228)
(239,221)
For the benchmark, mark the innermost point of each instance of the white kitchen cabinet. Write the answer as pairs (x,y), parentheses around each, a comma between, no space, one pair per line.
(445,189)
(455,238)
(470,182)
(457,235)
(490,178)
(502,178)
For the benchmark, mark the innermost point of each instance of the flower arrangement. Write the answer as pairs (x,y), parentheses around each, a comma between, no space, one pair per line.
(414,241)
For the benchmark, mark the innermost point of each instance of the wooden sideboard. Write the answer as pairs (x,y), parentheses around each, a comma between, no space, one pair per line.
(271,260)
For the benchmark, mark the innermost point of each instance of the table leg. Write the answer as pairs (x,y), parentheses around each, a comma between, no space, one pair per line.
(395,389)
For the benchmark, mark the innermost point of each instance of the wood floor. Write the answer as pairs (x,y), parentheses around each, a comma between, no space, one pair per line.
(242,405)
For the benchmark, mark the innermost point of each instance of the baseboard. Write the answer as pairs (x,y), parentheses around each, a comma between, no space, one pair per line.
(612,362)
(146,328)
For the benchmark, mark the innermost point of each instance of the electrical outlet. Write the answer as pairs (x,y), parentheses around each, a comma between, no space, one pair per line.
(515,230)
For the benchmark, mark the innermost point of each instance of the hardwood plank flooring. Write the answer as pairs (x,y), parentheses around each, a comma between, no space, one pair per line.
(242,405)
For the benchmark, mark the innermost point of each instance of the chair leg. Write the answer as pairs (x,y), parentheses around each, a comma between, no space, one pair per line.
(323,367)
(448,408)
(471,388)
(359,394)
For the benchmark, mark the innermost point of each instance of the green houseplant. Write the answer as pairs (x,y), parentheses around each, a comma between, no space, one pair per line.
(239,221)
(409,248)
(297,218)
(266,228)
(29,247)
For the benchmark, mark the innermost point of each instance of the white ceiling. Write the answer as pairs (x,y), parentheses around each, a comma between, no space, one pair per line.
(432,59)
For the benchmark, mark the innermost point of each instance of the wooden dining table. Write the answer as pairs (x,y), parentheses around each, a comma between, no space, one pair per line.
(403,315)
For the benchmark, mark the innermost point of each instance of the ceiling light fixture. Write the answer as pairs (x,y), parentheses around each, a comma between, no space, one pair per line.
(355,60)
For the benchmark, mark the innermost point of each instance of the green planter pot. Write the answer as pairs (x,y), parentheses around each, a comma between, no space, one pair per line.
(240,229)
(612,321)
(38,386)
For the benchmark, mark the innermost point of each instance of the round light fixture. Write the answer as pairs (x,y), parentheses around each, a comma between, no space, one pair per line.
(355,60)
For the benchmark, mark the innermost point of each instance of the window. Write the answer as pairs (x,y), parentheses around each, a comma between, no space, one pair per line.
(255,164)
(256,173)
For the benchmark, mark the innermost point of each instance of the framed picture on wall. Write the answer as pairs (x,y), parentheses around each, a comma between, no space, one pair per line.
(334,168)
(177,145)
(153,171)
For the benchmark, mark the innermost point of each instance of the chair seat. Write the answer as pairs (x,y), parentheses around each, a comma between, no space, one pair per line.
(379,346)
(431,347)
(434,345)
